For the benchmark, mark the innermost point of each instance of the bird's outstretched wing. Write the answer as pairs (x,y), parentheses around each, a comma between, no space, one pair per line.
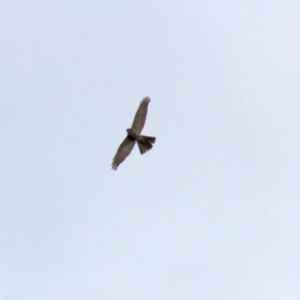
(140,115)
(123,151)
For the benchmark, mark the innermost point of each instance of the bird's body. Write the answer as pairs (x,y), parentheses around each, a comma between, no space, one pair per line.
(133,136)
(132,133)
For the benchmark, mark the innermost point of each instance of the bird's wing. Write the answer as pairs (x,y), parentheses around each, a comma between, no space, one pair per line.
(123,151)
(140,115)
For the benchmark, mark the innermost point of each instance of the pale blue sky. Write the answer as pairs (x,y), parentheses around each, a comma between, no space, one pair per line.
(211,212)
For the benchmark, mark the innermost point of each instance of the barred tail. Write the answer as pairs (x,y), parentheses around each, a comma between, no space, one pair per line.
(145,143)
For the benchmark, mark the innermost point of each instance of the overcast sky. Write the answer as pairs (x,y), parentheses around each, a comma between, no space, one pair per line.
(211,212)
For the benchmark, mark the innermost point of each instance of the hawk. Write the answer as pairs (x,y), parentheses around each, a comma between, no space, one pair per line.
(133,135)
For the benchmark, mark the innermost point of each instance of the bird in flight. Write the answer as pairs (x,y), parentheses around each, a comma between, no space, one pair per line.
(133,135)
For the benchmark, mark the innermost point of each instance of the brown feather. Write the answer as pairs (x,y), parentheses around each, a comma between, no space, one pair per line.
(140,115)
(123,151)
(145,143)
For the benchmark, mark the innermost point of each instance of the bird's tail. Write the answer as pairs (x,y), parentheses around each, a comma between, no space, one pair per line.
(145,143)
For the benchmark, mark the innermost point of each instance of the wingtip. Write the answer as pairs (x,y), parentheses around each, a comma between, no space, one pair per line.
(146,99)
(114,167)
